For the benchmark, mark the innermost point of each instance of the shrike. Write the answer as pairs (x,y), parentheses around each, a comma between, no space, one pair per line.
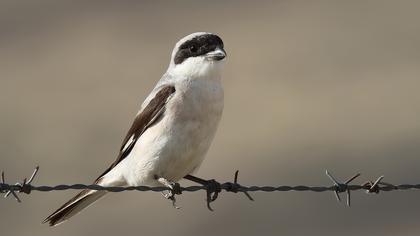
(173,129)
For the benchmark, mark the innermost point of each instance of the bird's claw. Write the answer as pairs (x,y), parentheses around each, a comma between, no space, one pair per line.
(169,195)
(213,188)
(174,189)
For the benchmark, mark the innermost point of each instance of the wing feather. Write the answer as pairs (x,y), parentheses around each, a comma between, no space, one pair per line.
(145,119)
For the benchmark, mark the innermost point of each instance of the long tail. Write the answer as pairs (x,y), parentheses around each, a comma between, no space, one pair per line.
(75,205)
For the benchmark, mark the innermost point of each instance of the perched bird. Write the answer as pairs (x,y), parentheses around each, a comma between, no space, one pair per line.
(174,128)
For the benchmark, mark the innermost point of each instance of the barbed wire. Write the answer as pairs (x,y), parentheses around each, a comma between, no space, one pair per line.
(213,188)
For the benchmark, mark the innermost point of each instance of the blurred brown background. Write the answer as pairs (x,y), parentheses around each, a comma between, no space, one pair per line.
(310,85)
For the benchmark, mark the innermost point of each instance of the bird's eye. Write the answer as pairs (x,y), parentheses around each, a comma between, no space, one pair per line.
(193,48)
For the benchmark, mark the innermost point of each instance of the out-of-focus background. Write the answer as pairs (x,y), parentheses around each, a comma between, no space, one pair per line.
(309,86)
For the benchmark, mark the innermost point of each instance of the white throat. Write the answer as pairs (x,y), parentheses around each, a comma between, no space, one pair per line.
(197,67)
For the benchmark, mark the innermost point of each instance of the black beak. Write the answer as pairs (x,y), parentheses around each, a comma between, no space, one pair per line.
(218,54)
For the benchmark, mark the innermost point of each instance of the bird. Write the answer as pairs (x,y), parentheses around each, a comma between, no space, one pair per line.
(174,128)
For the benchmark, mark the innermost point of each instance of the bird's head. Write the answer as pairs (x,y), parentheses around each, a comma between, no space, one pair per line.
(198,54)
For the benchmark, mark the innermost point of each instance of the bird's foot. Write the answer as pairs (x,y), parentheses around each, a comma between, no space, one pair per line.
(213,188)
(174,189)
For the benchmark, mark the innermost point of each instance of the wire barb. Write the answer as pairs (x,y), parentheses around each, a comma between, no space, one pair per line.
(3,185)
(214,187)
(373,187)
(24,187)
(341,187)
(235,187)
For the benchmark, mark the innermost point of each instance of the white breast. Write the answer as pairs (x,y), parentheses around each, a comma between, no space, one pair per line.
(177,144)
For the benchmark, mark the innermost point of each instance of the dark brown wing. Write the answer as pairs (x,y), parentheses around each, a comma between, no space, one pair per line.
(150,114)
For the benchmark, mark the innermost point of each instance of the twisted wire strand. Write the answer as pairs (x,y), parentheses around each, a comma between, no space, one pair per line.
(214,188)
(225,186)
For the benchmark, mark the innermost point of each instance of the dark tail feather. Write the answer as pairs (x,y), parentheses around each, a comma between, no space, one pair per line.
(75,205)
